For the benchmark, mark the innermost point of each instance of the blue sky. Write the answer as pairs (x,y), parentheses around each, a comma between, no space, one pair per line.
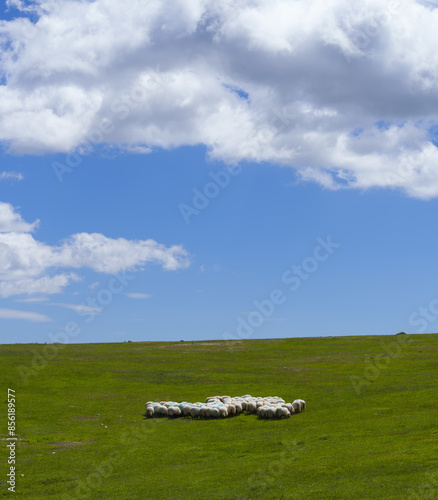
(300,187)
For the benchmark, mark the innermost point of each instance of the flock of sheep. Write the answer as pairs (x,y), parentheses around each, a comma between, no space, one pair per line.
(226,406)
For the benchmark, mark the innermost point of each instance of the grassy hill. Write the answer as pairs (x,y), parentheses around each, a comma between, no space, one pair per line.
(370,430)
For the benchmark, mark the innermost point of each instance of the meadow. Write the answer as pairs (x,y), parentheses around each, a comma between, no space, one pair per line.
(370,430)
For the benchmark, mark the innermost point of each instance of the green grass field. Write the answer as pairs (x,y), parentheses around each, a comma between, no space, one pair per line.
(370,430)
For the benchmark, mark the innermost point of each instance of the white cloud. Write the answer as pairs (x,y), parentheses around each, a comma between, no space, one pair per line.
(27,266)
(344,93)
(11,176)
(33,299)
(11,285)
(107,255)
(23,315)
(139,150)
(75,307)
(134,295)
(11,221)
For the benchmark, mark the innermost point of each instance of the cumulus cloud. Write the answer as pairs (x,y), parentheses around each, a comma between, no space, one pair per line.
(28,266)
(11,220)
(23,315)
(344,93)
(11,285)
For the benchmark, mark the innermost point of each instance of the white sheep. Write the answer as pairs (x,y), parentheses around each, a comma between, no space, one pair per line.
(160,410)
(231,409)
(261,411)
(223,412)
(173,411)
(222,406)
(283,412)
(296,406)
(270,412)
(279,412)
(300,404)
(289,407)
(238,407)
(250,406)
(213,400)
(303,404)
(195,411)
